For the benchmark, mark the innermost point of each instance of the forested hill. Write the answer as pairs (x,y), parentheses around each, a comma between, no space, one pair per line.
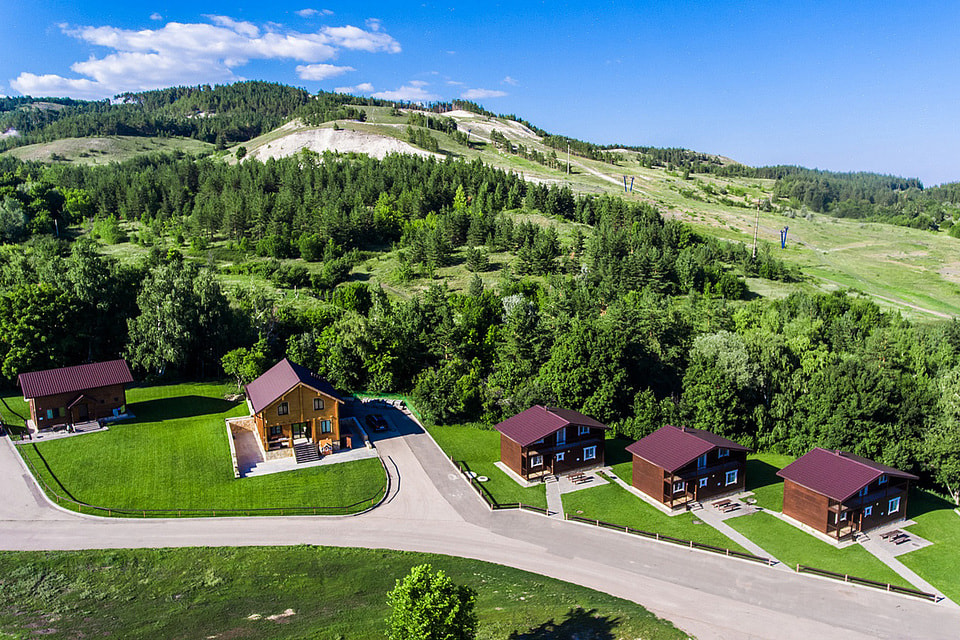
(224,114)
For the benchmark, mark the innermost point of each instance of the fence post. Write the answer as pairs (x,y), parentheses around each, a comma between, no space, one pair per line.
(798,567)
(846,577)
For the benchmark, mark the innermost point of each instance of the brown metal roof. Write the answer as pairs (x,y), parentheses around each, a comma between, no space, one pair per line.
(837,474)
(538,421)
(282,377)
(671,447)
(36,384)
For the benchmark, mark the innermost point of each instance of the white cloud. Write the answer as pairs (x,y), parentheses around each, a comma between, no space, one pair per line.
(321,71)
(156,16)
(363,87)
(309,13)
(455,83)
(418,83)
(481,94)
(196,53)
(410,92)
(510,81)
(350,37)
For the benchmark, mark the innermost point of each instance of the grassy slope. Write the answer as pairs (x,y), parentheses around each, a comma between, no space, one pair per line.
(175,455)
(937,522)
(791,546)
(106,149)
(901,268)
(333,593)
(480,449)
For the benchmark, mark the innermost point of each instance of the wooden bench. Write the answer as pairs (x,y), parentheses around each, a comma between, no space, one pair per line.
(720,504)
(727,508)
(895,533)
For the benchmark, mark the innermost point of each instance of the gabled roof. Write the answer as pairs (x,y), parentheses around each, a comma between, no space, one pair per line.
(671,448)
(81,377)
(538,421)
(837,474)
(282,377)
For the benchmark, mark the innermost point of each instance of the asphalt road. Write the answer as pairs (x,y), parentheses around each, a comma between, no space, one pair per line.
(431,508)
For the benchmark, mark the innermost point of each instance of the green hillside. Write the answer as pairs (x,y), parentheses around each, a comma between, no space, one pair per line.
(107,149)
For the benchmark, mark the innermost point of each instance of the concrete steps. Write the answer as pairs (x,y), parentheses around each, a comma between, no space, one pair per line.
(306,452)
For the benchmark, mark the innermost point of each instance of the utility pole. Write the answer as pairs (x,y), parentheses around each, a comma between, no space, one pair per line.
(568,158)
(756,230)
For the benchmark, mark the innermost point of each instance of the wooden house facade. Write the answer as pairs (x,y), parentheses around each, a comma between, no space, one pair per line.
(293,407)
(74,395)
(840,494)
(680,465)
(544,441)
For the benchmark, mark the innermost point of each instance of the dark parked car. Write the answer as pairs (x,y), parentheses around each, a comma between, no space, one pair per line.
(376,422)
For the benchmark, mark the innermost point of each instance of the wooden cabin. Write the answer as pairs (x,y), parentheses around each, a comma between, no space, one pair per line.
(544,441)
(75,395)
(679,465)
(839,493)
(294,409)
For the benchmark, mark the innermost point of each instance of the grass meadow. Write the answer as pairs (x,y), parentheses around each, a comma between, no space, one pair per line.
(174,455)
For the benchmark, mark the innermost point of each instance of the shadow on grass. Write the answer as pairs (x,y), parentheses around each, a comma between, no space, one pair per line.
(761,474)
(616,451)
(577,623)
(921,502)
(177,408)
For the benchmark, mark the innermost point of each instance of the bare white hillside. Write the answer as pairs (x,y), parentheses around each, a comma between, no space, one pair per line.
(342,141)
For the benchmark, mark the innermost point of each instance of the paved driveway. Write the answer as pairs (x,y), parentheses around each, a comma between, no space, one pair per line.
(431,508)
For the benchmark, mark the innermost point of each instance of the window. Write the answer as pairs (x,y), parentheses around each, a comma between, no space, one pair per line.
(276,431)
(536,461)
(731,476)
(562,436)
(867,511)
(49,414)
(326,426)
(283,409)
(843,516)
(589,453)
(862,492)
(560,456)
(702,461)
(679,486)
(723,453)
(894,505)
(318,404)
(882,480)
(583,431)
(703,482)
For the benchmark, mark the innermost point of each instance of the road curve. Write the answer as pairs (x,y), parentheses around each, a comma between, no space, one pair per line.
(431,508)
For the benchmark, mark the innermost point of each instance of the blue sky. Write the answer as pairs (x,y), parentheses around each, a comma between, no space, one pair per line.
(845,86)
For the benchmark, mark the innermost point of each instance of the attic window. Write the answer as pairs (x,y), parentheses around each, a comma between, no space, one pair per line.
(882,480)
(283,409)
(318,404)
(723,453)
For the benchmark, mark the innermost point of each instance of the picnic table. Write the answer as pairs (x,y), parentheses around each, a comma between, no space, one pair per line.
(720,504)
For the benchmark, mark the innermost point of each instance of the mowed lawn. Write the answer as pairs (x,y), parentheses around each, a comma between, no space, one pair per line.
(175,455)
(309,592)
(936,521)
(763,481)
(793,546)
(612,503)
(480,449)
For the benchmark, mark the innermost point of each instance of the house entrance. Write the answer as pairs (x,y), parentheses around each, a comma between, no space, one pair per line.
(82,412)
(302,432)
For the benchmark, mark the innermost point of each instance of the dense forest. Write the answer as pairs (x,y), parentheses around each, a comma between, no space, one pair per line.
(634,319)
(627,316)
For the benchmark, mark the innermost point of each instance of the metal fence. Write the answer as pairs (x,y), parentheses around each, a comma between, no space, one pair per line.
(886,586)
(665,538)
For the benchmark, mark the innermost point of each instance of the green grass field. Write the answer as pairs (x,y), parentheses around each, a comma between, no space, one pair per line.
(763,480)
(612,503)
(938,522)
(480,449)
(792,546)
(319,593)
(175,455)
(105,149)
